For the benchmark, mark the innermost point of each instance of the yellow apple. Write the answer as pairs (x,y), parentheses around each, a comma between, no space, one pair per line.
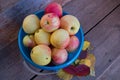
(60,38)
(42,37)
(41,55)
(31,24)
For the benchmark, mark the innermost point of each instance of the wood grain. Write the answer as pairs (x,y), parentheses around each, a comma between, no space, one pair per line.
(89,12)
(4,4)
(105,38)
(11,67)
(112,72)
(51,77)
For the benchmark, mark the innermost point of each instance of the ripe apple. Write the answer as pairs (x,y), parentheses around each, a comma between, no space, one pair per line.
(60,38)
(31,24)
(54,8)
(42,37)
(41,54)
(29,41)
(73,44)
(50,22)
(70,23)
(59,56)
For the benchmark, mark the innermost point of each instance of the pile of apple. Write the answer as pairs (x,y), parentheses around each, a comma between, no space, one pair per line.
(52,36)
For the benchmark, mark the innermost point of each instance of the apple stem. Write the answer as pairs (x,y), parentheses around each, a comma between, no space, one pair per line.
(72,28)
(47,22)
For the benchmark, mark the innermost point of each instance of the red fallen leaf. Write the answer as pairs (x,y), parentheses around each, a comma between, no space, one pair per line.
(83,55)
(80,70)
(70,69)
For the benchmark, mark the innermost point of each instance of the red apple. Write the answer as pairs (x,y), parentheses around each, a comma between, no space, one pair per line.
(59,56)
(54,8)
(29,41)
(73,44)
(50,22)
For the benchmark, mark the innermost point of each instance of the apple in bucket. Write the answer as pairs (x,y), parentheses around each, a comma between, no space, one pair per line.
(31,24)
(60,38)
(41,54)
(73,44)
(59,56)
(70,23)
(54,8)
(29,41)
(50,22)
(42,37)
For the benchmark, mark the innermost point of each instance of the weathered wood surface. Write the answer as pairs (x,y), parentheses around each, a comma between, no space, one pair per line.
(4,4)
(11,67)
(106,40)
(50,77)
(88,12)
(112,72)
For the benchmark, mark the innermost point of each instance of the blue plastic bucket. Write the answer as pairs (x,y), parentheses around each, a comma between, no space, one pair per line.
(71,56)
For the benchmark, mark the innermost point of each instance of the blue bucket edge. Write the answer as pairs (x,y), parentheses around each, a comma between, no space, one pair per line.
(55,68)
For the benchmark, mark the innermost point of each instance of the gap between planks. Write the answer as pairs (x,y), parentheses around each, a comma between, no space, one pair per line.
(118,57)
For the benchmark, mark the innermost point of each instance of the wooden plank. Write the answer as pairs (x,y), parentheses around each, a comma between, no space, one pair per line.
(112,72)
(11,67)
(89,12)
(47,77)
(50,77)
(105,38)
(4,4)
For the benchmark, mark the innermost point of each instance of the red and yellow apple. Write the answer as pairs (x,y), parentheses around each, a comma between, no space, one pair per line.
(59,56)
(29,41)
(70,23)
(31,24)
(54,8)
(42,37)
(73,44)
(60,38)
(50,22)
(41,54)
